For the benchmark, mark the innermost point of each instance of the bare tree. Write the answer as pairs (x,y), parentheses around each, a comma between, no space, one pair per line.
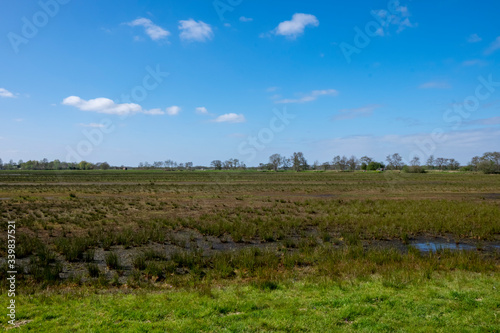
(352,163)
(415,161)
(365,159)
(431,162)
(453,164)
(276,160)
(440,162)
(395,161)
(299,162)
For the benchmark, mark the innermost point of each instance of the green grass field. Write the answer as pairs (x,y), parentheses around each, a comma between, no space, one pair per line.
(108,251)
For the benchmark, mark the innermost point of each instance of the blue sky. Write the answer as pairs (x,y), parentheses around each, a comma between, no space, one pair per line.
(133,81)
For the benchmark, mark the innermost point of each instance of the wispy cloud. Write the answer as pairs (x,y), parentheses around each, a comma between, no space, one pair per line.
(458,144)
(6,94)
(230,118)
(197,31)
(434,85)
(272,89)
(107,106)
(486,121)
(495,45)
(246,19)
(310,97)
(362,112)
(154,31)
(474,38)
(296,26)
(173,110)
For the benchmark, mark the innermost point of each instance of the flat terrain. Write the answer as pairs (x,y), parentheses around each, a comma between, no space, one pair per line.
(254,251)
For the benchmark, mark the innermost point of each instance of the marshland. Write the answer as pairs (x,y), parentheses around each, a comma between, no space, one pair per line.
(335,250)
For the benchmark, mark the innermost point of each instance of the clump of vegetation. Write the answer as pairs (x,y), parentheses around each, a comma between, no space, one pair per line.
(112,261)
(93,270)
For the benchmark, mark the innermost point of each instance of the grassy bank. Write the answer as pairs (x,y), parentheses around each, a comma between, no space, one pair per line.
(453,301)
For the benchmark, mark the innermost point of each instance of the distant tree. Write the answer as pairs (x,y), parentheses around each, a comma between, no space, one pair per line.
(189,165)
(56,165)
(453,164)
(104,166)
(340,163)
(366,160)
(336,163)
(352,163)
(372,166)
(394,161)
(1,164)
(488,163)
(431,162)
(415,161)
(276,160)
(216,164)
(440,162)
(325,166)
(286,163)
(299,162)
(474,163)
(316,165)
(494,157)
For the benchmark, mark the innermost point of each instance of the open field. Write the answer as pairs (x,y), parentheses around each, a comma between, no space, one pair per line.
(189,251)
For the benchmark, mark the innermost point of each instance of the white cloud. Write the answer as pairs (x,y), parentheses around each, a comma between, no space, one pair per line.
(230,118)
(495,45)
(154,31)
(295,27)
(173,110)
(434,85)
(106,105)
(310,97)
(93,125)
(195,31)
(201,110)
(153,112)
(272,89)
(364,111)
(246,19)
(5,93)
(474,38)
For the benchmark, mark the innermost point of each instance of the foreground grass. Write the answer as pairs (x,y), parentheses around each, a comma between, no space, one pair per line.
(454,301)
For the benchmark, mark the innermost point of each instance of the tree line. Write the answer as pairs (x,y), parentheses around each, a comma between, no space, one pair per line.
(488,163)
(45,164)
